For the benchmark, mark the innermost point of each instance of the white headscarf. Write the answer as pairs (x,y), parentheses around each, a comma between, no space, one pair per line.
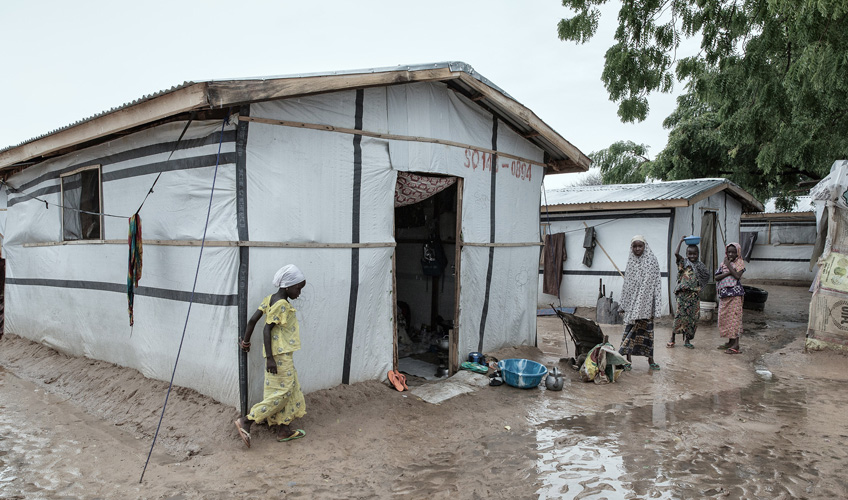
(287,276)
(641,295)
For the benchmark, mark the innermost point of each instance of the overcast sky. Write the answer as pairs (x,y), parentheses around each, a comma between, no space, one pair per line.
(66,61)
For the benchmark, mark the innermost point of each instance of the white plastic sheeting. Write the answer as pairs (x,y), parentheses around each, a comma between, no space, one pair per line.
(613,230)
(73,297)
(318,208)
(509,315)
(783,248)
(129,167)
(781,262)
(301,188)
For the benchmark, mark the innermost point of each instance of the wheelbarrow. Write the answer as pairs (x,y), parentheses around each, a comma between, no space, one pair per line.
(584,333)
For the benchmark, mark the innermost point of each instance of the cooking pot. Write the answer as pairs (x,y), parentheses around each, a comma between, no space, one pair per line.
(444,343)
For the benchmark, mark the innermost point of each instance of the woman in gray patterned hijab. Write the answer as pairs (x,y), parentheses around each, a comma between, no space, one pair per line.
(641,299)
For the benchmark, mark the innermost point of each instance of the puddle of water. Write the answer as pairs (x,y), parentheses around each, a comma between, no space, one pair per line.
(578,468)
(682,449)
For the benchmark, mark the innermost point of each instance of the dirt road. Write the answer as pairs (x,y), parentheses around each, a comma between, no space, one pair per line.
(763,424)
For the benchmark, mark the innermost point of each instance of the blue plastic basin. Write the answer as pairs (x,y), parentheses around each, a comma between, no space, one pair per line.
(692,240)
(522,373)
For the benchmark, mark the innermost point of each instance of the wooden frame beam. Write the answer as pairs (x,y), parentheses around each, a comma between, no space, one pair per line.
(389,137)
(742,196)
(706,194)
(196,243)
(453,339)
(790,216)
(227,93)
(582,161)
(627,205)
(564,167)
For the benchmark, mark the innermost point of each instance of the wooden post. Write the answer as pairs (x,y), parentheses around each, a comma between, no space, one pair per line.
(453,351)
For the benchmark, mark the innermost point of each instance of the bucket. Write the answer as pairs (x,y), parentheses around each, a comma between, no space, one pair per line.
(708,310)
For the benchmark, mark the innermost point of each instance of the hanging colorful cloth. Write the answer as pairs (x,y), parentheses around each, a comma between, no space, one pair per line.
(134,273)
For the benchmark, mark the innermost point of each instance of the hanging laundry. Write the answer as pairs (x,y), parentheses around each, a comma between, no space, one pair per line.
(554,255)
(134,273)
(589,245)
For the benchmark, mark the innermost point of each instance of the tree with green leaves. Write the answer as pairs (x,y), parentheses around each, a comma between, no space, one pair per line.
(623,162)
(766,97)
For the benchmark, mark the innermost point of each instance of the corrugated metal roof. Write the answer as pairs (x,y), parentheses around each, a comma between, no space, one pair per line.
(563,156)
(617,193)
(452,65)
(103,113)
(665,191)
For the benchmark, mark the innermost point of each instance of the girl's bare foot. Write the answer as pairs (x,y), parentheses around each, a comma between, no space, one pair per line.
(243,426)
(284,431)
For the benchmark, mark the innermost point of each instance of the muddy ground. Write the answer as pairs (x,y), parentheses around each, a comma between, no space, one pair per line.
(767,423)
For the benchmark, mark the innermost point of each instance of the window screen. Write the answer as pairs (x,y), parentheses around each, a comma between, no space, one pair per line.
(81,194)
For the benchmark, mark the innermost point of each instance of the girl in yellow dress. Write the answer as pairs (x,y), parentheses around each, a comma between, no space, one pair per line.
(283,400)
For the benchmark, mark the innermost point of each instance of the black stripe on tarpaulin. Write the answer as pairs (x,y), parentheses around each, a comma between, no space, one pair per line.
(578,218)
(151,168)
(211,299)
(132,154)
(244,252)
(354,255)
(572,272)
(764,259)
(491,234)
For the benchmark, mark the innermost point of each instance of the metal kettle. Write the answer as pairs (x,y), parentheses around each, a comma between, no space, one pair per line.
(554,380)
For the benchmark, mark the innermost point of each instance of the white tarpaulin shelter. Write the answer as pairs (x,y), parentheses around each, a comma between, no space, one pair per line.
(784,243)
(663,212)
(828,323)
(306,174)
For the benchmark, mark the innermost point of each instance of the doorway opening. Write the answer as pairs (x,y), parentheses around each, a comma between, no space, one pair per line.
(426,270)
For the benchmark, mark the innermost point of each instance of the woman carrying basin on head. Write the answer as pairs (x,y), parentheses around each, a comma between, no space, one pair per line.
(730,297)
(641,301)
(282,399)
(692,275)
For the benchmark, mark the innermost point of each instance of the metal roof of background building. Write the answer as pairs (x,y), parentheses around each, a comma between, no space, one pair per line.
(654,194)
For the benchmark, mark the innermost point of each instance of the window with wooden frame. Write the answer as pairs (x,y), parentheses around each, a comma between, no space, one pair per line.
(82,199)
